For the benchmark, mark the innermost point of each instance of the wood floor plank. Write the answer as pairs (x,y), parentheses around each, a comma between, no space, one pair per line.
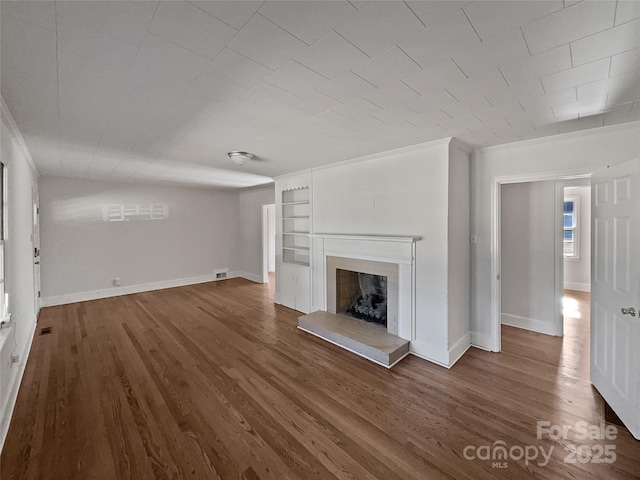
(215,381)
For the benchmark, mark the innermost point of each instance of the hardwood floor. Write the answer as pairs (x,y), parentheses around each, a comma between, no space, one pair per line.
(214,381)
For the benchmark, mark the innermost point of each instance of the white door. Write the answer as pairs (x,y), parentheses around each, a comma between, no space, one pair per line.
(615,272)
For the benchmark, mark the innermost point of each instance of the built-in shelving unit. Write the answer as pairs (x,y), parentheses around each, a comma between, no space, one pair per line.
(296,226)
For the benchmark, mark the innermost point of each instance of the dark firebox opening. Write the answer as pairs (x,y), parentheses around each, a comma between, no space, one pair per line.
(371,303)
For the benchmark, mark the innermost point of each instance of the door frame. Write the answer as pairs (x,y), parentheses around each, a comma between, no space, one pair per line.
(496,249)
(35,244)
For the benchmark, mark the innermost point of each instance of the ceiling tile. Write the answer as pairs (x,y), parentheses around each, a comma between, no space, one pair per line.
(478,85)
(331,56)
(627,10)
(581,124)
(625,62)
(394,93)
(516,92)
(357,108)
(216,89)
(616,117)
(631,94)
(347,87)
(315,103)
(577,76)
(296,78)
(308,21)
(143,77)
(618,84)
(27,49)
(491,18)
(560,97)
(610,42)
(266,43)
(84,77)
(127,21)
(387,67)
(438,75)
(564,26)
(488,115)
(466,108)
(237,69)
(458,124)
(40,14)
(429,120)
(76,39)
(28,77)
(236,14)
(270,96)
(432,11)
(358,4)
(433,103)
(453,34)
(148,4)
(506,48)
(379,25)
(161,56)
(585,107)
(189,27)
(538,65)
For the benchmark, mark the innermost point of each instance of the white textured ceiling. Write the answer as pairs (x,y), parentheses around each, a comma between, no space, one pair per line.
(160,91)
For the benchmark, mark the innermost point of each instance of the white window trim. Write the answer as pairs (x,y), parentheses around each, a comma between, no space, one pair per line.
(576,228)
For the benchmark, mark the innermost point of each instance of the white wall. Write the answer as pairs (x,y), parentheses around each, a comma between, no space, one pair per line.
(528,248)
(249,252)
(407,192)
(580,152)
(577,272)
(459,278)
(81,253)
(19,282)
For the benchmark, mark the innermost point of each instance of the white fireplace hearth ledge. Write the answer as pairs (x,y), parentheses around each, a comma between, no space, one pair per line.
(368,340)
(392,256)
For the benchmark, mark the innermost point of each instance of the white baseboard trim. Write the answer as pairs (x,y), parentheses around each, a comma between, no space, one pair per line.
(6,410)
(481,340)
(249,276)
(459,348)
(528,324)
(440,356)
(127,290)
(436,355)
(580,287)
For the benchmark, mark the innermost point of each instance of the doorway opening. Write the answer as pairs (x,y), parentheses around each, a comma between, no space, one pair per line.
(528,253)
(268,243)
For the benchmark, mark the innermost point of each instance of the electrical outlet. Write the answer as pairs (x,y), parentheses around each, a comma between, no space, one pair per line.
(117,281)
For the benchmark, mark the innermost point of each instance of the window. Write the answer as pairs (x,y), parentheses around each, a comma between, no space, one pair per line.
(571,232)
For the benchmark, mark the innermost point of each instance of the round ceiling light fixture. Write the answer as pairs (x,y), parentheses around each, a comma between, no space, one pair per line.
(240,158)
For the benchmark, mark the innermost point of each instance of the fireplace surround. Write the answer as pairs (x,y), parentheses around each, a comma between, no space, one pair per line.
(390,256)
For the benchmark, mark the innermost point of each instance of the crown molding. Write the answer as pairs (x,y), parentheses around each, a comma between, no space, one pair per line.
(561,136)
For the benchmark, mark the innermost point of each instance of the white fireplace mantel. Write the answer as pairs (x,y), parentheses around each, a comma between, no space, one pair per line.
(399,250)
